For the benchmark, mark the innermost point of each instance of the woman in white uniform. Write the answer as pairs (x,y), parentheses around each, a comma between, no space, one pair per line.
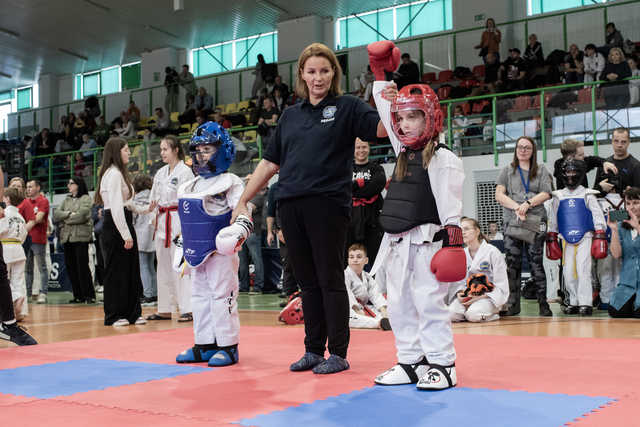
(174,289)
(482,259)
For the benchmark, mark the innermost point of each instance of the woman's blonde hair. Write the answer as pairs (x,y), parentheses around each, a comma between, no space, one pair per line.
(615,49)
(318,49)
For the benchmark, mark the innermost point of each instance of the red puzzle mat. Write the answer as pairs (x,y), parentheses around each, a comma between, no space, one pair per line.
(261,382)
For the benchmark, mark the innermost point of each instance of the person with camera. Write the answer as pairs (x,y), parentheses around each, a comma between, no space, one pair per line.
(522,188)
(625,245)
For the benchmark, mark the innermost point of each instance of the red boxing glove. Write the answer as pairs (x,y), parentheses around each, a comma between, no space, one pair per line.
(599,245)
(360,182)
(554,251)
(383,56)
(449,264)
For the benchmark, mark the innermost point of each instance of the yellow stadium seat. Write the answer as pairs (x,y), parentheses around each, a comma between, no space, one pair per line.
(231,108)
(174,116)
(243,104)
(221,107)
(194,127)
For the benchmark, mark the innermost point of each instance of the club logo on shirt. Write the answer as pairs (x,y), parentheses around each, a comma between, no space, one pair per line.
(185,207)
(484,266)
(328,114)
(174,181)
(572,203)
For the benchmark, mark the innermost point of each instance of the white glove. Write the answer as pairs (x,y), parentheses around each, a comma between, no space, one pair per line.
(230,239)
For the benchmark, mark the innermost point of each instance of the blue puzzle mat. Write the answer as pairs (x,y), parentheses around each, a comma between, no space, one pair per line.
(78,376)
(384,406)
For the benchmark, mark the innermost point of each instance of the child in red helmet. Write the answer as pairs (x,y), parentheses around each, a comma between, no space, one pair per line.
(421,251)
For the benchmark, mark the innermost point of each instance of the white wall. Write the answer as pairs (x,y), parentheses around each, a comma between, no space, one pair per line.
(296,34)
(155,62)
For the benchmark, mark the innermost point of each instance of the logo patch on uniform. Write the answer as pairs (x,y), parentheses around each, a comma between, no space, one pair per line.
(174,181)
(328,114)
(185,207)
(484,266)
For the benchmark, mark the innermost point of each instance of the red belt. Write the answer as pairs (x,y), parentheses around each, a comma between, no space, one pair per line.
(167,222)
(362,202)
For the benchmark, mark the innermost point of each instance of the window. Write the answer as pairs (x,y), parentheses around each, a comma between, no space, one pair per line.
(535,7)
(234,54)
(5,109)
(108,80)
(408,20)
(25,98)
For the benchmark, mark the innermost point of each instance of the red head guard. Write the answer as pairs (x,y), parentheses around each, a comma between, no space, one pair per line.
(423,98)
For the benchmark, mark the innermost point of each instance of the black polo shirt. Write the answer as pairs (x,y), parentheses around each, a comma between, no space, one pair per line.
(314,144)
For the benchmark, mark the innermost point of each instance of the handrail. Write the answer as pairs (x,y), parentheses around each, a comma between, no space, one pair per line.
(420,38)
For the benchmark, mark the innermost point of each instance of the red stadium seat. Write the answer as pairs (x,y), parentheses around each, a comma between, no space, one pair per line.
(428,77)
(443,92)
(478,106)
(584,96)
(536,100)
(445,76)
(466,108)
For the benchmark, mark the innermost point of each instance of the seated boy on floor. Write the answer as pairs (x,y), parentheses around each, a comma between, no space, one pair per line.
(367,305)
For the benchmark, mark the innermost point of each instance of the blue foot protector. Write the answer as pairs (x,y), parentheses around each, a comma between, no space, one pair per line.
(197,353)
(225,356)
(405,406)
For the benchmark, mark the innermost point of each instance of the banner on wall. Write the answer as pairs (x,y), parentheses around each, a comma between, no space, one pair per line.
(58,277)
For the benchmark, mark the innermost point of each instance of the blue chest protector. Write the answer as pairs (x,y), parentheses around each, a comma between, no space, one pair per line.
(199,230)
(574,219)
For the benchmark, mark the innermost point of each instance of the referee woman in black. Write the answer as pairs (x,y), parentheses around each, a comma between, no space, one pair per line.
(313,148)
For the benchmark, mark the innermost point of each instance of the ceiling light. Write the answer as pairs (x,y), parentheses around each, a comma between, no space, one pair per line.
(77,55)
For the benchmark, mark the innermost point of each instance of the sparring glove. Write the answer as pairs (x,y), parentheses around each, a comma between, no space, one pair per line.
(383,56)
(230,239)
(554,251)
(599,245)
(449,264)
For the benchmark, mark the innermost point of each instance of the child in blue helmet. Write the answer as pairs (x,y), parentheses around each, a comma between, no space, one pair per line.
(210,246)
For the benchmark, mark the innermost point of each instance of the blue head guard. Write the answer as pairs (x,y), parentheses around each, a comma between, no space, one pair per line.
(211,133)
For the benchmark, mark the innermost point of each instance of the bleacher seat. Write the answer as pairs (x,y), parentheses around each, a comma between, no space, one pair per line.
(584,96)
(466,108)
(445,76)
(231,108)
(444,92)
(428,77)
(250,135)
(536,100)
(478,71)
(522,103)
(243,105)
(479,106)
(174,116)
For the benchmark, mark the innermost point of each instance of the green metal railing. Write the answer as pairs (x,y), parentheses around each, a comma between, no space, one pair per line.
(56,169)
(421,39)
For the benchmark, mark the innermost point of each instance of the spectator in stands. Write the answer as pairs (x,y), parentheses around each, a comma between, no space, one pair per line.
(75,227)
(143,226)
(628,166)
(269,113)
(593,63)
(44,142)
(625,300)
(363,84)
(533,55)
(171,83)
(133,112)
(492,72)
(92,107)
(220,119)
(80,167)
(278,100)
(485,266)
(616,91)
(127,130)
(408,73)
(188,82)
(573,65)
(37,227)
(574,149)
(634,85)
(514,71)
(494,232)
(87,144)
(258,83)
(490,41)
(189,115)
(522,188)
(612,39)
(282,87)
(204,101)
(460,124)
(101,132)
(163,123)
(201,119)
